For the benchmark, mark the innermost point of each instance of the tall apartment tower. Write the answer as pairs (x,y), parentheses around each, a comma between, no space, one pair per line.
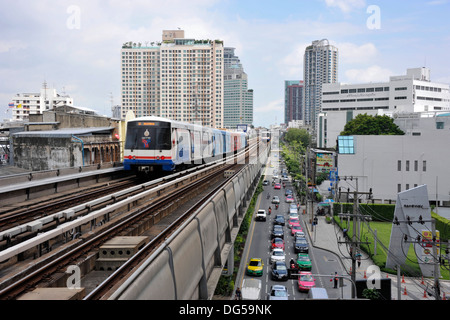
(293,100)
(178,78)
(238,99)
(320,65)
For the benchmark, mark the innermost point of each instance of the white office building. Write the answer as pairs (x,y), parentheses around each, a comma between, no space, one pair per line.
(178,78)
(413,92)
(24,104)
(389,164)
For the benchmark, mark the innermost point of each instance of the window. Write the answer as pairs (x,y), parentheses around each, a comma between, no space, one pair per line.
(399,165)
(439,125)
(407,166)
(424,166)
(416,165)
(346,145)
(399,187)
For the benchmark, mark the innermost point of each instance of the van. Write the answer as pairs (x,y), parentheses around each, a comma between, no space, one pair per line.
(317,293)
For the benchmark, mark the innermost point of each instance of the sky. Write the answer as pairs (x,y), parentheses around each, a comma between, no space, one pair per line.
(75,45)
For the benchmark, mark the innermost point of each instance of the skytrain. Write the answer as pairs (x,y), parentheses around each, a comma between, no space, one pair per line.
(155,143)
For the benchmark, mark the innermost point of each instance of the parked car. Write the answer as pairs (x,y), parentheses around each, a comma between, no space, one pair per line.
(279,271)
(276,200)
(277,231)
(277,254)
(278,292)
(255,267)
(306,281)
(279,219)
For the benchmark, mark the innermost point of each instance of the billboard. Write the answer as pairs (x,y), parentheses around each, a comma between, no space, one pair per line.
(324,162)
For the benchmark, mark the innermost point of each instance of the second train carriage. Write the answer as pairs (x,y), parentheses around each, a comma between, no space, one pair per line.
(167,144)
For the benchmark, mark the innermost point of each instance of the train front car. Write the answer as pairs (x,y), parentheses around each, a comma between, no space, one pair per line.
(148,145)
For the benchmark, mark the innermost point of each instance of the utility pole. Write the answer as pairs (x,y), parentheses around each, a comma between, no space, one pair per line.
(354,243)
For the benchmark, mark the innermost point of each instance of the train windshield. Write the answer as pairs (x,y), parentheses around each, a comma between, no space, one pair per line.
(148,135)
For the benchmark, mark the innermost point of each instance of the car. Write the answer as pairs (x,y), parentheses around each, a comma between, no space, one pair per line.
(288,192)
(277,186)
(304,262)
(293,222)
(301,245)
(279,271)
(276,200)
(299,234)
(289,199)
(277,232)
(295,229)
(293,212)
(265,183)
(261,215)
(306,281)
(279,219)
(285,178)
(293,206)
(277,243)
(277,254)
(278,292)
(255,267)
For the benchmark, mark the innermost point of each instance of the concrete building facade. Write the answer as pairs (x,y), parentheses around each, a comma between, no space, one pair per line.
(320,66)
(178,78)
(238,99)
(293,100)
(24,104)
(389,164)
(413,92)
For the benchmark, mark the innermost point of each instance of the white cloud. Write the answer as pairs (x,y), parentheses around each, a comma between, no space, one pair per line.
(353,53)
(346,5)
(6,46)
(371,74)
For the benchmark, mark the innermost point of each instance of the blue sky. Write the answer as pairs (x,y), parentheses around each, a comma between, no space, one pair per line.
(38,42)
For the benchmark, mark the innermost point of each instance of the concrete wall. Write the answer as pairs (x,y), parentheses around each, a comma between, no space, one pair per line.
(189,264)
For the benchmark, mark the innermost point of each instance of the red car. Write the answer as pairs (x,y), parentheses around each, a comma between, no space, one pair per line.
(293,222)
(306,281)
(295,229)
(277,243)
(277,186)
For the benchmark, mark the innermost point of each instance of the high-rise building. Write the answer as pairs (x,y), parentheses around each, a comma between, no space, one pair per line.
(320,65)
(293,100)
(238,99)
(24,104)
(178,78)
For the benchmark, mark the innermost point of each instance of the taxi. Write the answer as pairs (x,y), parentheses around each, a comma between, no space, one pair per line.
(255,267)
(306,281)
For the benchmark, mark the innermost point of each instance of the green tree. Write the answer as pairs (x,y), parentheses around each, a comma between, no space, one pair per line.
(365,124)
(299,135)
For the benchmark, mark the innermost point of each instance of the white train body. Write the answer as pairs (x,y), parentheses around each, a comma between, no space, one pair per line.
(167,144)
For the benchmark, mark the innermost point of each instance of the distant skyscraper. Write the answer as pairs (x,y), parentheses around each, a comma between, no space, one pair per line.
(238,99)
(320,65)
(178,78)
(293,100)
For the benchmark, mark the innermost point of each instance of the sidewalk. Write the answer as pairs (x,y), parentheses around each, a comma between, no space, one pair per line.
(326,237)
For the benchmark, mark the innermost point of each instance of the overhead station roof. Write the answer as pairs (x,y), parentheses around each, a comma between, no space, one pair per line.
(65,133)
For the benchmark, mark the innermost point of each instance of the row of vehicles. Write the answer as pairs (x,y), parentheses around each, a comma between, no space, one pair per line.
(284,225)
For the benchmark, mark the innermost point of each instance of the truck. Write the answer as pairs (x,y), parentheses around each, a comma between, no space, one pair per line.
(251,289)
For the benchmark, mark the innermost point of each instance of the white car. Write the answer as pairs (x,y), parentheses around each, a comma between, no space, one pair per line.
(277,255)
(261,215)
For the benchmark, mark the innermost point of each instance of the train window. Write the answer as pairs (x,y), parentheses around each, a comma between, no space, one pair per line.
(143,137)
